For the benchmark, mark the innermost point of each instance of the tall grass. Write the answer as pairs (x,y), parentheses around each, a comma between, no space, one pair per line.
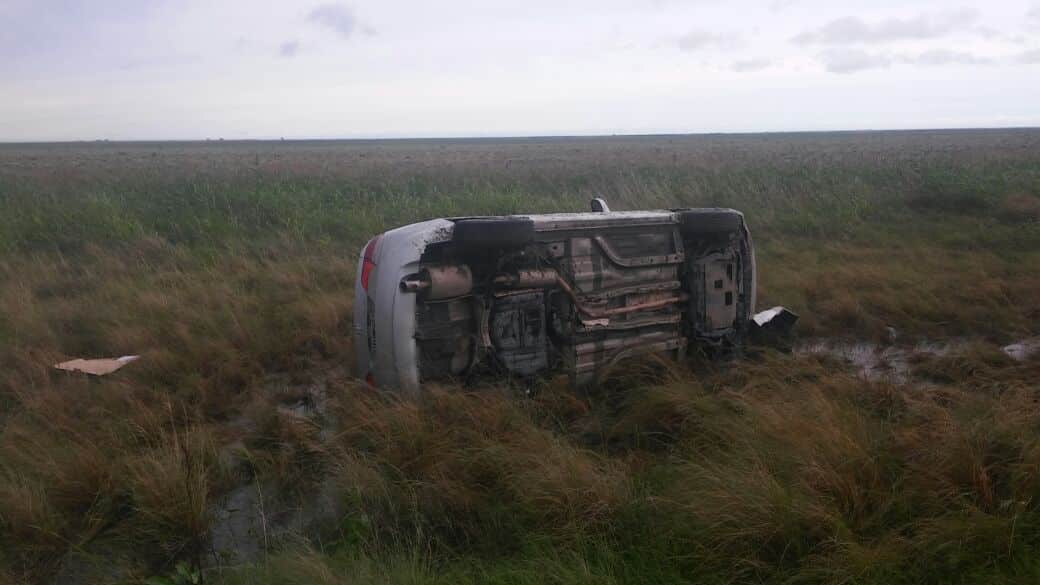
(785,469)
(230,270)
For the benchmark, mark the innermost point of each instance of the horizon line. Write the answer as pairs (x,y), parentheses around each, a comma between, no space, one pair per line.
(518,136)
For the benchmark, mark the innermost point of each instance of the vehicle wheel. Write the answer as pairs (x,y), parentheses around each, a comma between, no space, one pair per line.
(495,232)
(714,220)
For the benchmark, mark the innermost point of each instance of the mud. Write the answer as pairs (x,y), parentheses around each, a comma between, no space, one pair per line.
(893,363)
(257,517)
(254,519)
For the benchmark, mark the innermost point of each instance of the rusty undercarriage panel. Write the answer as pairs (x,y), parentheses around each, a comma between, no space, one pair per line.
(577,293)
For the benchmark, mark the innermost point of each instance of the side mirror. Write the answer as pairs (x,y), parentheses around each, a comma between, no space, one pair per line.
(599,205)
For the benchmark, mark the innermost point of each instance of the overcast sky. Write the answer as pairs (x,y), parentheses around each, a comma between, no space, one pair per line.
(185,69)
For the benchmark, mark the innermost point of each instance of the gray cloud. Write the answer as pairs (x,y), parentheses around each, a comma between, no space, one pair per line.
(1029,57)
(749,65)
(852,60)
(992,34)
(338,17)
(160,62)
(781,5)
(943,57)
(289,48)
(852,29)
(701,39)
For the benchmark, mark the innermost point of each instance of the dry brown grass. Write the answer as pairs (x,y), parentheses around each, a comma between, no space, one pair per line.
(68,480)
(824,476)
(921,289)
(783,468)
(1020,207)
(472,469)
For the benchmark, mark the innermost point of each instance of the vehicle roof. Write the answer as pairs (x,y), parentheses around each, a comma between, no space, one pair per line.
(650,214)
(653,213)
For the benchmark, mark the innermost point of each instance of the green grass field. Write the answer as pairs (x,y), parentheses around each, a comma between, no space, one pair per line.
(240,449)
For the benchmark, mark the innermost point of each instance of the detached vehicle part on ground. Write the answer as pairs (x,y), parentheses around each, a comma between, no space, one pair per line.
(529,295)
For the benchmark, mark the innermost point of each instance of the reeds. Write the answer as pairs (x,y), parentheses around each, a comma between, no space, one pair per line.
(234,282)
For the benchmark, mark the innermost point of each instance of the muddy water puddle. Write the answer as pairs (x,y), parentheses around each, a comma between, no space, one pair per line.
(893,363)
(261,515)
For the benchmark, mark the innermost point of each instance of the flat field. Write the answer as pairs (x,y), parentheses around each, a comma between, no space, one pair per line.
(240,449)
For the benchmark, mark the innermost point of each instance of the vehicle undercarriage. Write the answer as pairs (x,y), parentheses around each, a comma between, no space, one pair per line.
(577,293)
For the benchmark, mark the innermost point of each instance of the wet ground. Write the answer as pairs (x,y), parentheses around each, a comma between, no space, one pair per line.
(258,516)
(893,363)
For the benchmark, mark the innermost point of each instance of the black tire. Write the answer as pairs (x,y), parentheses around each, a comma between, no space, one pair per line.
(494,232)
(710,220)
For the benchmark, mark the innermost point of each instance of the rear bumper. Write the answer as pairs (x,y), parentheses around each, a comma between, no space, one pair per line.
(384,316)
